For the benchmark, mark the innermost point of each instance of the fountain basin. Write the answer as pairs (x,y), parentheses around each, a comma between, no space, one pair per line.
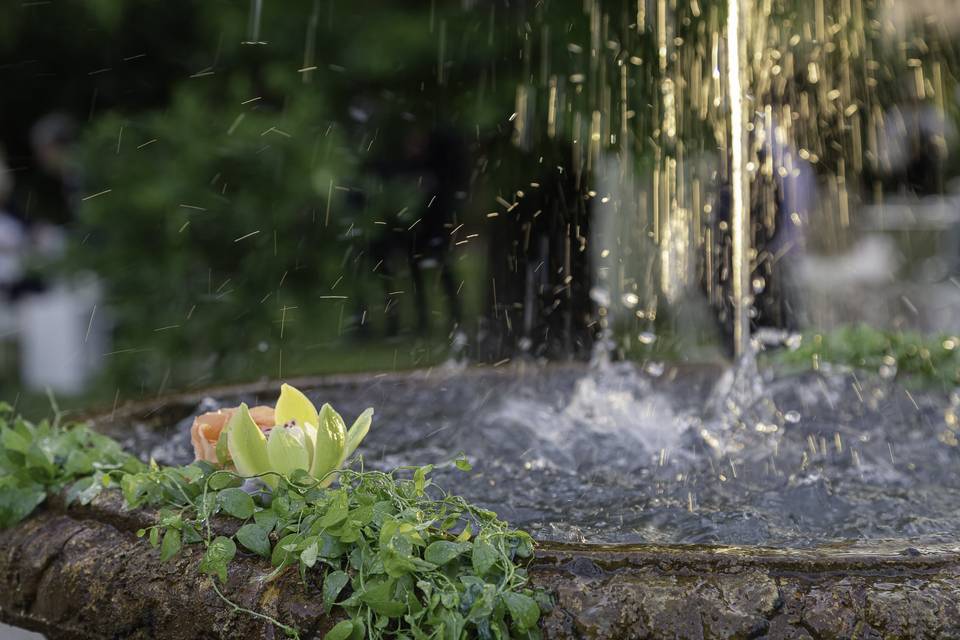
(81,572)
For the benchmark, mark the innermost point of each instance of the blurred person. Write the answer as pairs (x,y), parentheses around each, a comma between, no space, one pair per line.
(915,147)
(781,200)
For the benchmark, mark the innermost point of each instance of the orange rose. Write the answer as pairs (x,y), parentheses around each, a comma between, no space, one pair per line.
(206,429)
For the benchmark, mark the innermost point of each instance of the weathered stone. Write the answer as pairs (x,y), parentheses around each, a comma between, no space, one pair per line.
(82,573)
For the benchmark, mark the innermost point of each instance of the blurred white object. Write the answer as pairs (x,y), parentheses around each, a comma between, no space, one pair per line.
(871,261)
(62,339)
(13,242)
(15,633)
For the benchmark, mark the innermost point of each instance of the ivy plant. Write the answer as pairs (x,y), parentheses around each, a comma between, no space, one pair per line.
(400,556)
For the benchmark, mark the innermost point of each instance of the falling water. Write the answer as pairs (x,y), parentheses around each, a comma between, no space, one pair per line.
(739,187)
(679,136)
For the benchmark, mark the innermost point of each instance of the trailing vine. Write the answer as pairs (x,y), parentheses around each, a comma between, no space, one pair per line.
(400,556)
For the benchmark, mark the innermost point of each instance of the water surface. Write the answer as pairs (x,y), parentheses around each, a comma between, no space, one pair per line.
(664,454)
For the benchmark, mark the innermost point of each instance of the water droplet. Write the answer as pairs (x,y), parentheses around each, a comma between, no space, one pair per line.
(647,338)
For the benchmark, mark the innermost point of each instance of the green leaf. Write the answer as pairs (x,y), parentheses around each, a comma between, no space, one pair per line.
(222,449)
(236,502)
(341,631)
(256,538)
(523,609)
(463,464)
(379,597)
(284,550)
(247,444)
(222,480)
(171,545)
(484,556)
(420,478)
(286,452)
(442,551)
(266,518)
(219,554)
(17,502)
(336,512)
(333,584)
(331,439)
(78,463)
(330,547)
(309,555)
(358,431)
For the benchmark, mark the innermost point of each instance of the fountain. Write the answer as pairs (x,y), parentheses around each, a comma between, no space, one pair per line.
(669,498)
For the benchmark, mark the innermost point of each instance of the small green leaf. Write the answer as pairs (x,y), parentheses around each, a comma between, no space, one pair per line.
(463,464)
(333,584)
(222,450)
(336,512)
(523,609)
(236,502)
(171,545)
(283,551)
(420,478)
(17,502)
(341,631)
(484,556)
(219,554)
(309,555)
(379,597)
(442,551)
(222,480)
(266,518)
(255,537)
(78,463)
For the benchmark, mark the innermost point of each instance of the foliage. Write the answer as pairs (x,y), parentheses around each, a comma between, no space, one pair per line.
(223,219)
(908,355)
(44,458)
(400,556)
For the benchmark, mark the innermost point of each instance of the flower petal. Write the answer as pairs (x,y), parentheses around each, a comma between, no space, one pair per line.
(358,431)
(287,453)
(331,440)
(247,444)
(293,405)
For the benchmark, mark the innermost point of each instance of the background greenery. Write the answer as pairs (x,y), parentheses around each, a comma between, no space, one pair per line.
(222,148)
